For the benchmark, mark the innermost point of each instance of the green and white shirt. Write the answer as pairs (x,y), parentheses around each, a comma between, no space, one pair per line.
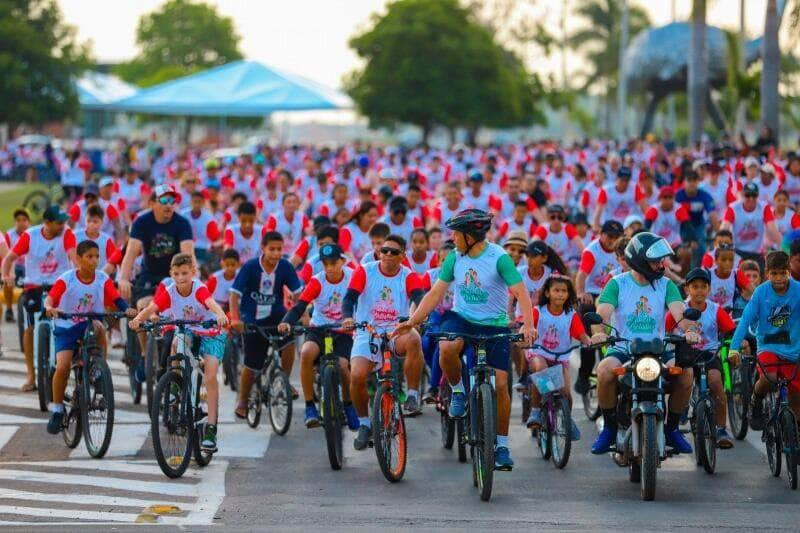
(480,294)
(639,309)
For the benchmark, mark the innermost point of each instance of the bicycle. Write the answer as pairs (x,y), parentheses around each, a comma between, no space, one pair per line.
(45,353)
(177,417)
(780,431)
(554,436)
(591,406)
(738,382)
(90,407)
(231,361)
(132,357)
(480,420)
(328,392)
(271,386)
(702,420)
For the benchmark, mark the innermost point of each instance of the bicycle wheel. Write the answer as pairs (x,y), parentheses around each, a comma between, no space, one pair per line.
(201,457)
(97,407)
(36,202)
(255,400)
(72,431)
(543,435)
(705,437)
(461,435)
(591,407)
(448,425)
(771,436)
(230,364)
(151,364)
(21,324)
(280,402)
(790,446)
(44,372)
(172,425)
(332,411)
(525,411)
(738,400)
(486,433)
(133,353)
(562,433)
(389,435)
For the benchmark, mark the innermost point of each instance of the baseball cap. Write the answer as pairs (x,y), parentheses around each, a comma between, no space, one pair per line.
(751,161)
(387,174)
(766,167)
(92,189)
(624,173)
(698,273)
(750,189)
(398,203)
(330,252)
(54,214)
(632,219)
(475,175)
(555,208)
(163,190)
(612,227)
(666,191)
(517,237)
(537,248)
(105,181)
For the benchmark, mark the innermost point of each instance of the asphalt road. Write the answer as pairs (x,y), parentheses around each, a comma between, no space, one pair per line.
(262,481)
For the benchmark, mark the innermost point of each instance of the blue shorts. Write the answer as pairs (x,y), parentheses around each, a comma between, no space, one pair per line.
(67,338)
(498,352)
(211,345)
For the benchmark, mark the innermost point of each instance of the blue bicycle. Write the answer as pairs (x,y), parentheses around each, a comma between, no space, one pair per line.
(780,430)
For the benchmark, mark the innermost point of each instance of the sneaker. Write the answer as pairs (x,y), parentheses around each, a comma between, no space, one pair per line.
(458,405)
(352,418)
(575,432)
(582,385)
(431,396)
(675,439)
(412,407)
(757,414)
(724,441)
(312,417)
(363,438)
(116,339)
(521,383)
(55,422)
(534,419)
(502,459)
(10,316)
(604,440)
(209,443)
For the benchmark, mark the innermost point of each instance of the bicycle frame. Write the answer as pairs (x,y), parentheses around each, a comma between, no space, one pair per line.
(783,386)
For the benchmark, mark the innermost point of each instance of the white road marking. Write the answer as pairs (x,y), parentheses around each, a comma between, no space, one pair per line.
(67,513)
(6,433)
(96,481)
(85,499)
(126,439)
(753,438)
(240,440)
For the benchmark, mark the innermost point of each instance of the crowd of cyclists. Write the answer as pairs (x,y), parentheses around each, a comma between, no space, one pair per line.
(514,237)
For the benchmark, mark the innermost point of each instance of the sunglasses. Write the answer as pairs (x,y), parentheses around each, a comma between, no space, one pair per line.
(555,217)
(751,195)
(391,251)
(167,200)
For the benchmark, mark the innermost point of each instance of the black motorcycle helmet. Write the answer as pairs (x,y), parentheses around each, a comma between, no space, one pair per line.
(644,248)
(473,223)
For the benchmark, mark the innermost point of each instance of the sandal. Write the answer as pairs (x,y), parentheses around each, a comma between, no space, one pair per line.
(241,410)
(28,387)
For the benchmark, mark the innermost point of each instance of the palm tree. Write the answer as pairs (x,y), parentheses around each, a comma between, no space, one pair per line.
(771,55)
(600,40)
(697,79)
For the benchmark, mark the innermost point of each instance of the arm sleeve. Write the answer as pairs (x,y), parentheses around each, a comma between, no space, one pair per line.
(57,291)
(311,291)
(446,273)
(22,245)
(507,270)
(769,216)
(111,297)
(587,262)
(673,294)
(202,295)
(228,239)
(358,280)
(610,294)
(162,301)
(69,240)
(725,323)
(296,312)
(211,284)
(576,329)
(349,303)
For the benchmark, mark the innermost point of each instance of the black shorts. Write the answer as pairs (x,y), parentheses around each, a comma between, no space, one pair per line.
(32,302)
(255,345)
(143,286)
(342,343)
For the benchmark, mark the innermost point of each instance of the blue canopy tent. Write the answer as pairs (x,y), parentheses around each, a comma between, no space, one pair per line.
(238,89)
(96,91)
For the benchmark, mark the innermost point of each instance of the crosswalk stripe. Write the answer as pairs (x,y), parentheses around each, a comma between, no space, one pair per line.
(125,440)
(68,513)
(27,401)
(120,466)
(6,433)
(85,499)
(100,482)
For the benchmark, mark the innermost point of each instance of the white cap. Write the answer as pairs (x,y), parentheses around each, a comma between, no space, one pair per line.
(751,161)
(632,219)
(387,174)
(766,167)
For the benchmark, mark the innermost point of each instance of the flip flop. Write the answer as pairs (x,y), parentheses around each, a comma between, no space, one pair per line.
(28,387)
(241,410)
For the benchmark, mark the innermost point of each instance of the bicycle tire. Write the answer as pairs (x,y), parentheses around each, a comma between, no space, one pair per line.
(543,435)
(525,410)
(171,405)
(36,202)
(279,394)
(230,364)
(705,439)
(201,457)
(72,430)
(389,428)
(44,372)
(649,448)
(21,323)
(255,401)
(332,411)
(97,378)
(462,440)
(790,446)
(132,357)
(562,432)
(448,425)
(486,435)
(771,437)
(591,407)
(738,400)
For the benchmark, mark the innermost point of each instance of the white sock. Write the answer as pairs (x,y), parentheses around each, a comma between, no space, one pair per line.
(502,441)
(458,387)
(56,407)
(413,393)
(365,421)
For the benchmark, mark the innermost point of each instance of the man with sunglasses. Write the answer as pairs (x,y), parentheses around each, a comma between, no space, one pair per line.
(157,235)
(558,235)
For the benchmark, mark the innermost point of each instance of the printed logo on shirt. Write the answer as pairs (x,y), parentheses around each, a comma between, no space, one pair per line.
(550,338)
(641,321)
(471,290)
(748,232)
(720,296)
(384,309)
(49,264)
(162,245)
(190,313)
(622,211)
(604,276)
(779,316)
(332,310)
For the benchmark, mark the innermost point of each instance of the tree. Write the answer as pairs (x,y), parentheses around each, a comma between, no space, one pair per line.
(600,41)
(697,79)
(429,63)
(39,61)
(181,38)
(771,56)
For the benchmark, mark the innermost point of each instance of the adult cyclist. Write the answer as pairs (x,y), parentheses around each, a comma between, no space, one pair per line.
(484,275)
(636,303)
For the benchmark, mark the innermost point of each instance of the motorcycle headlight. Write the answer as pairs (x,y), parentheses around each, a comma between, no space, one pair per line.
(648,369)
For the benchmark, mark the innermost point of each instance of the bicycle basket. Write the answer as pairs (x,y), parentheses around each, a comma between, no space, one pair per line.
(549,380)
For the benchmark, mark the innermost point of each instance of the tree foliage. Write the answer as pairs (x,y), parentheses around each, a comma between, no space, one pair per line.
(429,63)
(39,60)
(181,38)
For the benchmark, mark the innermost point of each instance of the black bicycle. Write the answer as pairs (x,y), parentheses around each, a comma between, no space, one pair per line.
(178,418)
(780,432)
(591,406)
(90,405)
(271,386)
(702,420)
(481,417)
(132,358)
(232,361)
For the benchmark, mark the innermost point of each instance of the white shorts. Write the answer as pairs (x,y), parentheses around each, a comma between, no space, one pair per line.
(362,347)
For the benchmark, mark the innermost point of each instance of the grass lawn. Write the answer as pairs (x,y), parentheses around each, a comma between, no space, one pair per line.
(11,197)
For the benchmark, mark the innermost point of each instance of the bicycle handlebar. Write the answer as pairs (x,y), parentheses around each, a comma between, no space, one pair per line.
(148,326)
(321,329)
(551,352)
(451,336)
(91,316)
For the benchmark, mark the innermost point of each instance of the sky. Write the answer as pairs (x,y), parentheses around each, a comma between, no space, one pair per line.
(309,37)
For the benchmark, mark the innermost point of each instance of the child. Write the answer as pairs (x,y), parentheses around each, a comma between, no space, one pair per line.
(724,283)
(515,245)
(435,238)
(290,223)
(22,221)
(245,236)
(81,290)
(325,292)
(723,237)
(220,282)
(714,323)
(186,298)
(110,255)
(786,218)
(422,258)
(775,310)
(519,221)
(740,299)
(377,234)
(557,323)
